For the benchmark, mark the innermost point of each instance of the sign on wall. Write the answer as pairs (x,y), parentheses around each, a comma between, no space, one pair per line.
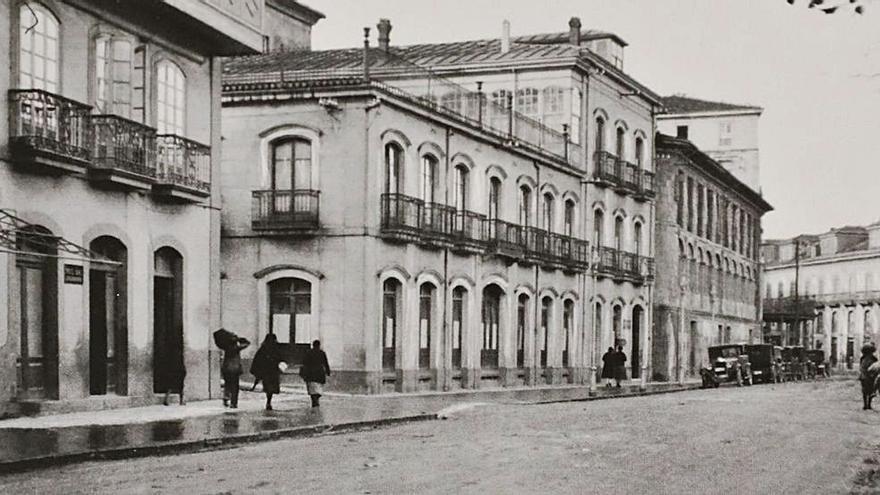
(73,274)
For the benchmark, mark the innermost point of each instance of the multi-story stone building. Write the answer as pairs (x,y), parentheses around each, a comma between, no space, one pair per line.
(822,291)
(434,227)
(109,222)
(708,237)
(726,132)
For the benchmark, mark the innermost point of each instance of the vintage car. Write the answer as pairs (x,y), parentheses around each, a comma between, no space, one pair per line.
(762,361)
(731,363)
(817,359)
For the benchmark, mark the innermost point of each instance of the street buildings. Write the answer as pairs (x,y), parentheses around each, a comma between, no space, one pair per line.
(708,237)
(109,221)
(822,291)
(485,222)
(728,133)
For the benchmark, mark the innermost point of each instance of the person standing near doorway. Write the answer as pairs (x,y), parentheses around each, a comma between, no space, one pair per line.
(314,372)
(173,370)
(231,371)
(608,360)
(619,365)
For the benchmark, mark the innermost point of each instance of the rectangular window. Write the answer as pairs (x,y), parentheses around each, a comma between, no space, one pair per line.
(577,97)
(681,132)
(700,209)
(710,212)
(690,204)
(725,134)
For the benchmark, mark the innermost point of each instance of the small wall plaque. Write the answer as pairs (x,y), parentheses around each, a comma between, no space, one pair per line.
(73,274)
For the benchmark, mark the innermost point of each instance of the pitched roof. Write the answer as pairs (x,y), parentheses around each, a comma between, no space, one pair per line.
(562,37)
(683,104)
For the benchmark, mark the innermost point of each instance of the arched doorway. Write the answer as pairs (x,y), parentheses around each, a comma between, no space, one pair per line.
(108,331)
(491,316)
(37,316)
(168,358)
(636,351)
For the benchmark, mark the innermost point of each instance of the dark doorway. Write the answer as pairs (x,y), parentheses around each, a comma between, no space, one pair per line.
(108,335)
(636,351)
(850,352)
(833,353)
(167,320)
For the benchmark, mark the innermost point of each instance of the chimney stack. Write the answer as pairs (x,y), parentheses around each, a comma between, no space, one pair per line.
(505,36)
(574,31)
(384,28)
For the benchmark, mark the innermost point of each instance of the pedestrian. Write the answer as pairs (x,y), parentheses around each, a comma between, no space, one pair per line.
(172,370)
(608,360)
(231,370)
(314,372)
(865,375)
(619,365)
(266,367)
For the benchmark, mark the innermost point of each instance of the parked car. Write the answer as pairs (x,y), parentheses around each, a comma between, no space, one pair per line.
(731,363)
(817,358)
(761,359)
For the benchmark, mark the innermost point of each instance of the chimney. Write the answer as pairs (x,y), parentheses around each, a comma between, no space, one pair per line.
(574,31)
(384,28)
(505,36)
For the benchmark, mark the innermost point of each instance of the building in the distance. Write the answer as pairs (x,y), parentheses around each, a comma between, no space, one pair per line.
(109,205)
(708,234)
(726,132)
(823,291)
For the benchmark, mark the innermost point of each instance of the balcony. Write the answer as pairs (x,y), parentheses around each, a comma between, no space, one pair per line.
(505,239)
(435,224)
(623,266)
(645,191)
(48,133)
(469,232)
(606,172)
(630,176)
(123,154)
(286,212)
(572,253)
(183,169)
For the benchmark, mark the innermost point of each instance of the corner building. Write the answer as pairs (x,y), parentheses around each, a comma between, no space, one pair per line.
(708,239)
(109,222)
(444,228)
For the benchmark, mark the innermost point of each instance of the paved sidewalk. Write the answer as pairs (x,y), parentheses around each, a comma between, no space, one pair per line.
(37,442)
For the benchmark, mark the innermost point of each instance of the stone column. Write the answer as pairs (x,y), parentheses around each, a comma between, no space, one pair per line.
(859,322)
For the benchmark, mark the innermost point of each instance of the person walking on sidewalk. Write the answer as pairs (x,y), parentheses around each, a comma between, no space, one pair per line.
(314,372)
(231,371)
(619,365)
(266,368)
(172,370)
(867,374)
(608,360)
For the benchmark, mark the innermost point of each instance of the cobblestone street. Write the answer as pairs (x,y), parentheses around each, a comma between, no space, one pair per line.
(794,438)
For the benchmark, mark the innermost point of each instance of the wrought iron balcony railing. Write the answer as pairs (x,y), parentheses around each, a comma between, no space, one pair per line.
(123,145)
(286,210)
(606,168)
(631,175)
(646,185)
(43,125)
(183,163)
(505,238)
(624,265)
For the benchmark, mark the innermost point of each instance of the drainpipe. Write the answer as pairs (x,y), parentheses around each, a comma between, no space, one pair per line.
(447,338)
(538,303)
(589,353)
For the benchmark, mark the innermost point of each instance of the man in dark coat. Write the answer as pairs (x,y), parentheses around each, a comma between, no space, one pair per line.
(314,372)
(619,365)
(231,370)
(867,375)
(265,368)
(608,360)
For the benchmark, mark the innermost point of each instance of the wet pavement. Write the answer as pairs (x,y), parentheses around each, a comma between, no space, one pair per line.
(27,443)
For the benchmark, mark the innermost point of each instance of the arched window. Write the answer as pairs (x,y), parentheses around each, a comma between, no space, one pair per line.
(426,320)
(616,321)
(568,227)
(620,146)
(290,317)
(491,319)
(525,205)
(567,329)
(547,212)
(460,187)
(598,228)
(522,318)
(597,323)
(170,98)
(494,197)
(38,51)
(618,233)
(637,238)
(114,70)
(600,134)
(429,178)
(391,312)
(393,169)
(458,323)
(527,101)
(640,152)
(546,321)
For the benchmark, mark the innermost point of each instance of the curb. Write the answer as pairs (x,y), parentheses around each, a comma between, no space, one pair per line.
(622,395)
(203,445)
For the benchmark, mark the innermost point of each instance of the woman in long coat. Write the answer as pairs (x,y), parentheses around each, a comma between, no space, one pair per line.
(314,372)
(608,360)
(619,365)
(265,368)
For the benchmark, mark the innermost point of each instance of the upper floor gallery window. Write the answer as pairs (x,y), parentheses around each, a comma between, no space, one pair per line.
(393,168)
(119,77)
(38,53)
(170,98)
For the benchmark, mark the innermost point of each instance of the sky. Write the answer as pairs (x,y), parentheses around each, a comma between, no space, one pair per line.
(817,77)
